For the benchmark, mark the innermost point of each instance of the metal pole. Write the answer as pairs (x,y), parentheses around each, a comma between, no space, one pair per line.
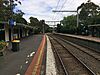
(54,27)
(11,8)
(77,19)
(1,5)
(12,30)
(43,28)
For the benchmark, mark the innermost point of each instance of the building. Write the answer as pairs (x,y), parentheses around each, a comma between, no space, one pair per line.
(9,32)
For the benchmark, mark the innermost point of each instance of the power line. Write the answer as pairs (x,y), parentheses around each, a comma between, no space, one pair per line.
(56,8)
(68,4)
(71,2)
(57,4)
(62,6)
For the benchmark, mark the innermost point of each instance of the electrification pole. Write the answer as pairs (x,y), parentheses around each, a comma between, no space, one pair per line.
(77,19)
(11,18)
(43,29)
(43,26)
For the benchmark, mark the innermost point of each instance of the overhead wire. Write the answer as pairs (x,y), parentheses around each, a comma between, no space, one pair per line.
(68,4)
(57,4)
(80,4)
(71,3)
(62,6)
(56,8)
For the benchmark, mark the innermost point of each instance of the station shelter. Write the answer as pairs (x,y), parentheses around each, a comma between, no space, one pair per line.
(94,30)
(9,33)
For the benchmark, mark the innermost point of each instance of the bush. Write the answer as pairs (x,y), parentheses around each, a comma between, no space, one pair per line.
(2,44)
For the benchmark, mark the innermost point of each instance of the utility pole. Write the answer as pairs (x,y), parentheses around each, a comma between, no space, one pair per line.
(43,26)
(11,8)
(43,29)
(11,17)
(1,4)
(69,11)
(54,27)
(77,19)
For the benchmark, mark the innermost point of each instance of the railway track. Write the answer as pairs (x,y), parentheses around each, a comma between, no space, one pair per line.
(90,51)
(88,57)
(71,64)
(86,49)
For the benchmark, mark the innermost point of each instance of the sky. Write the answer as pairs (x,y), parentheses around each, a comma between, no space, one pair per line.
(43,9)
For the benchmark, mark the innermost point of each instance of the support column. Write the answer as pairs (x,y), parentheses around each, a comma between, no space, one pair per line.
(27,33)
(6,27)
(23,32)
(11,33)
(19,33)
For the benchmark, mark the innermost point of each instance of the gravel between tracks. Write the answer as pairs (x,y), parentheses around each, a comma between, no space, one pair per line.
(91,62)
(72,65)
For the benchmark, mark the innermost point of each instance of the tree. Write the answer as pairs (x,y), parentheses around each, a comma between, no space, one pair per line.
(18,17)
(44,27)
(38,25)
(88,13)
(35,23)
(59,27)
(6,9)
(69,24)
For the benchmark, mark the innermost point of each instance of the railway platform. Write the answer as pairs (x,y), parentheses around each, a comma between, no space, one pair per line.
(90,38)
(35,57)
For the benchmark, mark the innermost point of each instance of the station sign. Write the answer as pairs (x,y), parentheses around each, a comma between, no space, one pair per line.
(12,22)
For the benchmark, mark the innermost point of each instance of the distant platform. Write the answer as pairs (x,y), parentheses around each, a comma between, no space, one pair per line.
(90,38)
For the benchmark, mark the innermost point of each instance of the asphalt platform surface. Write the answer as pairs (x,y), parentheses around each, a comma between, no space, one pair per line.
(16,63)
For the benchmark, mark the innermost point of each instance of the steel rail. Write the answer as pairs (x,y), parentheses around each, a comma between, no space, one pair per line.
(65,71)
(76,58)
(75,45)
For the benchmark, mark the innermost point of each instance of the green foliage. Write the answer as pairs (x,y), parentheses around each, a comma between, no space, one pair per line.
(59,28)
(34,22)
(69,24)
(6,9)
(89,13)
(19,18)
(2,44)
(38,25)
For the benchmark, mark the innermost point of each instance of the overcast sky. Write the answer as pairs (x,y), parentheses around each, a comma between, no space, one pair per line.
(42,9)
